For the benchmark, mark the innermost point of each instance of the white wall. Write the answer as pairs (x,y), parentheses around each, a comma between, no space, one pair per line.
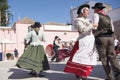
(115,14)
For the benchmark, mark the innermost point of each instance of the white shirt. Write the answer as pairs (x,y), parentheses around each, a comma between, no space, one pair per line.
(116,42)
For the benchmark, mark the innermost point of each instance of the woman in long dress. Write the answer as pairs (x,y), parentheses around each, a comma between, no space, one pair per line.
(83,55)
(34,57)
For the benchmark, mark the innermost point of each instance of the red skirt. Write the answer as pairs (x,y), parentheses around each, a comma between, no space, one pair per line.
(62,53)
(76,68)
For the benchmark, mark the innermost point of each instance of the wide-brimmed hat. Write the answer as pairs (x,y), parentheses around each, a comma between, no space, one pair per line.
(36,25)
(98,5)
(81,7)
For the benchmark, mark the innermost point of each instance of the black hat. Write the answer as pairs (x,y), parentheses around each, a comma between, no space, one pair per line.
(32,26)
(98,5)
(36,25)
(81,7)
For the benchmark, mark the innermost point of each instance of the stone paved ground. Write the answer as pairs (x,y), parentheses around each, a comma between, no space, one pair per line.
(8,71)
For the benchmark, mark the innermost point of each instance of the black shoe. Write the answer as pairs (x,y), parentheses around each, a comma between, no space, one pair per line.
(30,73)
(18,66)
(77,76)
(40,75)
(57,61)
(107,79)
(34,74)
(83,78)
(117,77)
(37,75)
(52,60)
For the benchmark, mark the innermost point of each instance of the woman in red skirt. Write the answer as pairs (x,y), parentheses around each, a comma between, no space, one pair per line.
(84,54)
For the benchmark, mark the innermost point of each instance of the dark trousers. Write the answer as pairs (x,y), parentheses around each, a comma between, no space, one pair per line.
(56,55)
(106,51)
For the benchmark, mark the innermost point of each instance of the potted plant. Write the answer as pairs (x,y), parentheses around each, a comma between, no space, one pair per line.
(9,56)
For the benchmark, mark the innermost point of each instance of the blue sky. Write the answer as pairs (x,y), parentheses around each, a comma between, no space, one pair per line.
(49,10)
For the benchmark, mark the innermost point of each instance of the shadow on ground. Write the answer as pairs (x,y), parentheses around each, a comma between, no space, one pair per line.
(55,73)
(18,73)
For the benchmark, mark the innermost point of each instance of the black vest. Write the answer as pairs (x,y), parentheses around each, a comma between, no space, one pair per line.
(54,45)
(104,26)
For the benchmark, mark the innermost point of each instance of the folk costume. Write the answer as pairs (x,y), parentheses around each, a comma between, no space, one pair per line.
(83,55)
(34,57)
(105,42)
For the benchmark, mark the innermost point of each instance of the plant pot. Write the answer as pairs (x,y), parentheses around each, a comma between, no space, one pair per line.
(9,56)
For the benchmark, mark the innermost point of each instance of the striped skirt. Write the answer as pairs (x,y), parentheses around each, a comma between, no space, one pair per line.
(33,58)
(76,68)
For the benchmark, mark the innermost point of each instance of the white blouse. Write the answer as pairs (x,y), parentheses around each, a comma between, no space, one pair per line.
(83,24)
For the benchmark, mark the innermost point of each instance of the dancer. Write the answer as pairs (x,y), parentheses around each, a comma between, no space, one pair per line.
(34,57)
(56,45)
(83,55)
(105,42)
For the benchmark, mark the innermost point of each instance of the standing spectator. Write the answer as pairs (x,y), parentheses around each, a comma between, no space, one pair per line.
(34,57)
(83,55)
(71,45)
(65,45)
(116,42)
(16,53)
(118,49)
(105,42)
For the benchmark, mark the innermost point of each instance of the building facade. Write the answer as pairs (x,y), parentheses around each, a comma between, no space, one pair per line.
(15,36)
